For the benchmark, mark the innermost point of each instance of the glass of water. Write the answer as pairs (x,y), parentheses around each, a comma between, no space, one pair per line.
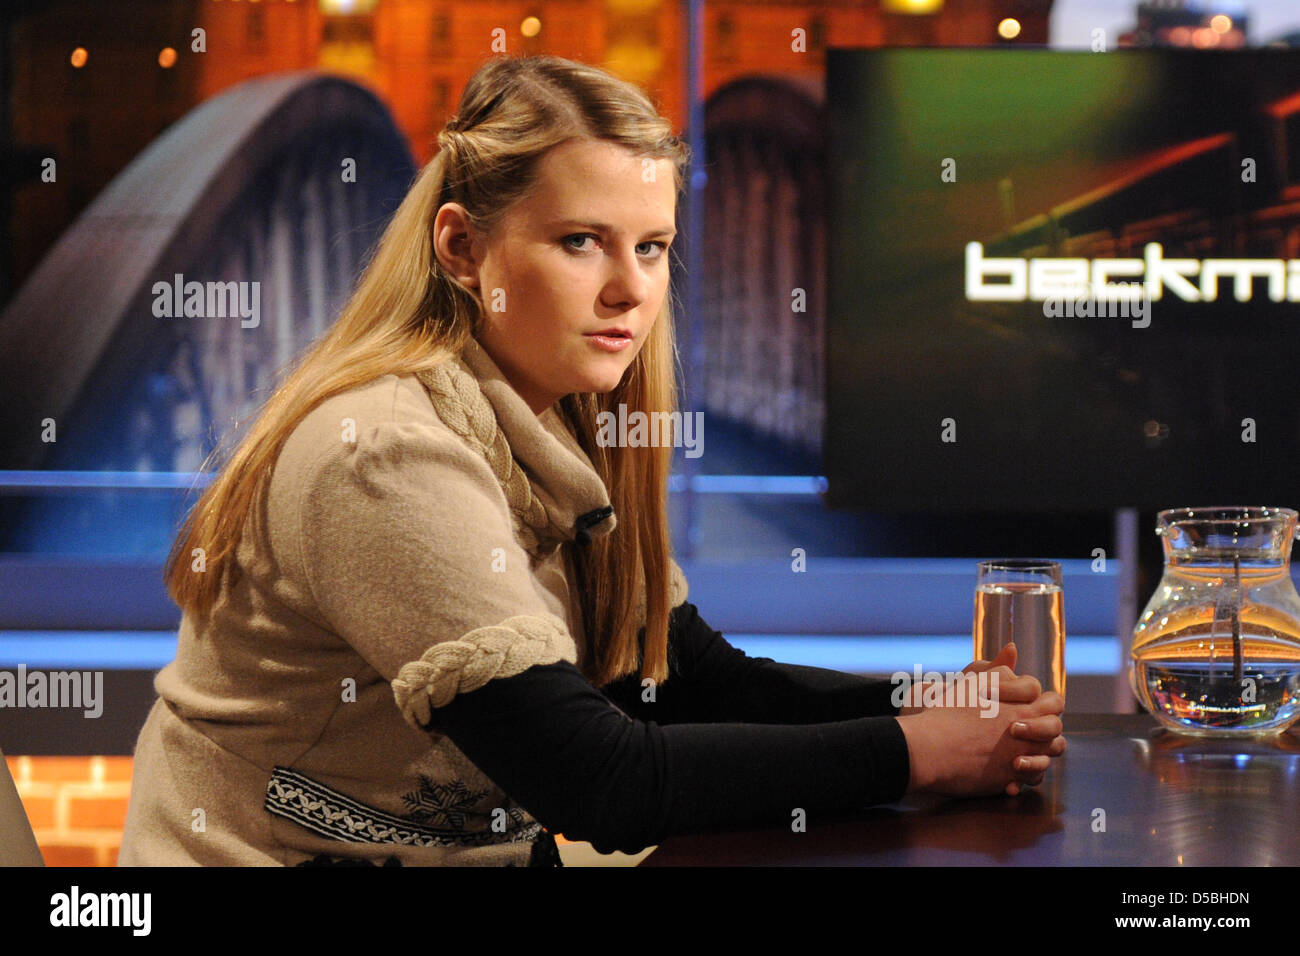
(1020,600)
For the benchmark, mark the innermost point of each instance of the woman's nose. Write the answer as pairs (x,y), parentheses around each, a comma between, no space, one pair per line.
(627,285)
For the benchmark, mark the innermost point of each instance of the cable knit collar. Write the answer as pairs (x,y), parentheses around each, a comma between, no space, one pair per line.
(551,485)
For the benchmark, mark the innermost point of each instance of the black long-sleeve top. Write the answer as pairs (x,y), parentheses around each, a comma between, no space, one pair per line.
(726,740)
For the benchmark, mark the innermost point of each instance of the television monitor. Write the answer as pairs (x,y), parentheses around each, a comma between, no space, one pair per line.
(1062,281)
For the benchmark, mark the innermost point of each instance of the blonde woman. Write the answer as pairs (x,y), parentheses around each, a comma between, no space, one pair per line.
(429,619)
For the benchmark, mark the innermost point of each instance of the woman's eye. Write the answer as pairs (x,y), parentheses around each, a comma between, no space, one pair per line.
(583,236)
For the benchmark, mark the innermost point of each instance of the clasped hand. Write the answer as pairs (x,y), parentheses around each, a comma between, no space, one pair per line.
(1013,750)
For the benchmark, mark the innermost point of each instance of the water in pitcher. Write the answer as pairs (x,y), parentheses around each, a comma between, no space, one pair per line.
(1033,615)
(1188,665)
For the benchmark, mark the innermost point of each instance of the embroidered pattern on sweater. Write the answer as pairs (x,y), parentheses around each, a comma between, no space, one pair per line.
(330,813)
(450,803)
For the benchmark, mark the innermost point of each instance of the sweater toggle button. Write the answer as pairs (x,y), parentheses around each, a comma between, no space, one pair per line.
(585,522)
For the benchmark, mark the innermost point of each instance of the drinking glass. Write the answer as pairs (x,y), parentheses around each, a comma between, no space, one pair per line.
(1021,600)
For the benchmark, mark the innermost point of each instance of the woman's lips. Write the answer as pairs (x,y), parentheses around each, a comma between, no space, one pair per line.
(610,343)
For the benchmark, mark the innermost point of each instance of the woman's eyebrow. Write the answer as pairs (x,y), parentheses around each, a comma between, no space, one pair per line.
(606,227)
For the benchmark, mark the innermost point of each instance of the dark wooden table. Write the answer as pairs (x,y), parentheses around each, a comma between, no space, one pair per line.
(1167,799)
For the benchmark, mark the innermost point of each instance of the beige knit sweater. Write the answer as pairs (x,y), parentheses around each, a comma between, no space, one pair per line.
(406,550)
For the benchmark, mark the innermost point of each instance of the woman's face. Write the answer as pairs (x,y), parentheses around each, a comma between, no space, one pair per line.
(585,252)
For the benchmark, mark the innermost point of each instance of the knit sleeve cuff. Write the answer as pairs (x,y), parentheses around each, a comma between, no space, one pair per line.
(678,587)
(485,653)
(678,590)
(891,761)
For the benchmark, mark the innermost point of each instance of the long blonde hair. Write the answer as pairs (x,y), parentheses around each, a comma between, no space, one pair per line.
(408,314)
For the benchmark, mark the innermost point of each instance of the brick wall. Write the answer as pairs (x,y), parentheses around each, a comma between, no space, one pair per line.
(76,805)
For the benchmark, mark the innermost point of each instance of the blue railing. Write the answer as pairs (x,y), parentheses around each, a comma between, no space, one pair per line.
(868,615)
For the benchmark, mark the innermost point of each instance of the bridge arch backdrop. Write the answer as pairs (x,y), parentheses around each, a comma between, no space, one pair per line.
(248,187)
(765,238)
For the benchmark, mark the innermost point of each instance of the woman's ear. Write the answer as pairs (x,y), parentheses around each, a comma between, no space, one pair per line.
(453,244)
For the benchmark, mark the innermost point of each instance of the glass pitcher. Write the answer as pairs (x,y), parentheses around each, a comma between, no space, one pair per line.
(1216,651)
